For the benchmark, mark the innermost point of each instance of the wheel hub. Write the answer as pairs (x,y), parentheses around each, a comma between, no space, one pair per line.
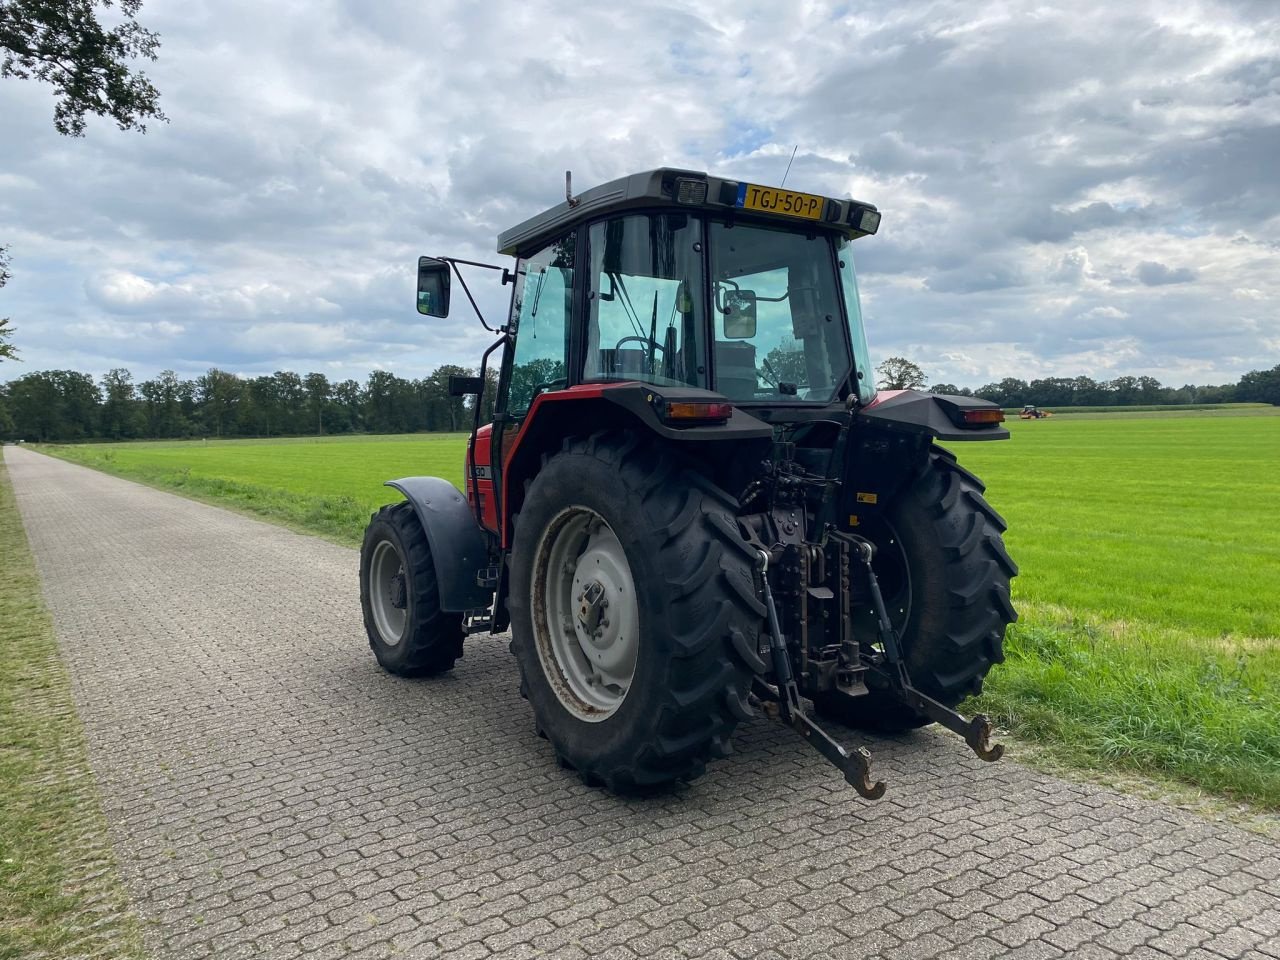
(396,591)
(592,603)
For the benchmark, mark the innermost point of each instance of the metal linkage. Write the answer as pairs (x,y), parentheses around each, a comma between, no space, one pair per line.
(976,732)
(855,766)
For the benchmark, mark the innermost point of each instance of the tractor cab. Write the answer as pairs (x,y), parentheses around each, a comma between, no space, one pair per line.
(678,279)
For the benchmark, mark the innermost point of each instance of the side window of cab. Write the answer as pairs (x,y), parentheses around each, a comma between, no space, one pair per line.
(540,315)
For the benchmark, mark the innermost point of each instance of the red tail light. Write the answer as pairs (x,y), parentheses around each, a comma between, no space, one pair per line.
(981,416)
(696,411)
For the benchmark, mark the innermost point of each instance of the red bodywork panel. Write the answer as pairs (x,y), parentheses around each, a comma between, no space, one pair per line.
(482,452)
(480,456)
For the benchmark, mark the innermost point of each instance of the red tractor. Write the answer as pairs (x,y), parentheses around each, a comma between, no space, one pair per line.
(691,504)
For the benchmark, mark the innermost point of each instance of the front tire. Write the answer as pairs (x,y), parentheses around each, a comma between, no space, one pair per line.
(941,560)
(409,633)
(651,695)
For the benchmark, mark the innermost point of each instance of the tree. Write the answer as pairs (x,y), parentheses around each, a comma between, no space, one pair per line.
(785,363)
(263,417)
(120,418)
(318,391)
(451,411)
(898,373)
(1124,390)
(388,402)
(1150,390)
(348,405)
(490,398)
(1009,392)
(162,405)
(292,396)
(61,42)
(54,405)
(219,395)
(1087,392)
(1260,386)
(1051,392)
(7,352)
(7,426)
(34,404)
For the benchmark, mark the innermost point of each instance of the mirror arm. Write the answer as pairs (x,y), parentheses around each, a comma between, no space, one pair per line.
(467,290)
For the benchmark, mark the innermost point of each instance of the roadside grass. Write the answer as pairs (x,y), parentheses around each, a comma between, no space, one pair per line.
(327,486)
(1148,543)
(1110,695)
(60,894)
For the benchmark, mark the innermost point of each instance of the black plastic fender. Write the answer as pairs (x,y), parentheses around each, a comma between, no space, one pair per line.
(457,547)
(938,415)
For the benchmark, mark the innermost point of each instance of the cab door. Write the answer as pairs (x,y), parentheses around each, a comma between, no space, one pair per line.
(540,336)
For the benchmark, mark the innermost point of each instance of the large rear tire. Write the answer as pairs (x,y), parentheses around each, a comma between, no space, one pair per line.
(634,613)
(409,633)
(945,571)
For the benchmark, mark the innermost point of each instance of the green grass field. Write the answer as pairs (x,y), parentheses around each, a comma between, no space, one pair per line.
(1148,542)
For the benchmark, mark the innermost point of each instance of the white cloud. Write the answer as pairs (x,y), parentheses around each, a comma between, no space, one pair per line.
(1090,186)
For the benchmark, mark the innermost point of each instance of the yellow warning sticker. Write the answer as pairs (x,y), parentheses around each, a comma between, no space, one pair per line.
(853,519)
(867,497)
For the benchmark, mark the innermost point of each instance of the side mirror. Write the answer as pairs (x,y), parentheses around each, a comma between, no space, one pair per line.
(739,314)
(464,386)
(433,287)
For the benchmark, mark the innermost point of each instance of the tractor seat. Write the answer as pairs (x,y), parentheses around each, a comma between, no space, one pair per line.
(736,369)
(627,362)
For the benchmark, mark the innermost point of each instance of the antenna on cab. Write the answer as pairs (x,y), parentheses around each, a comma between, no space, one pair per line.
(569,198)
(789,162)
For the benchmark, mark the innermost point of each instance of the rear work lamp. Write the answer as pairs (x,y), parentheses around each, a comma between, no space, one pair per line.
(864,219)
(689,190)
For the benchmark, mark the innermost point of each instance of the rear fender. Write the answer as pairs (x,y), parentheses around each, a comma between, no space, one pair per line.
(929,414)
(589,408)
(458,549)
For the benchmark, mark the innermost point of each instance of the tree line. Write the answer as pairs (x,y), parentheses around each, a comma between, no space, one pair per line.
(66,406)
(1256,386)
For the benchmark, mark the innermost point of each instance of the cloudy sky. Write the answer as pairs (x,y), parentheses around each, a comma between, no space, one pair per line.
(1092,189)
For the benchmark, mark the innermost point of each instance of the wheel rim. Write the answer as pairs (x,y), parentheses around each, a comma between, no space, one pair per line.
(388,594)
(586,620)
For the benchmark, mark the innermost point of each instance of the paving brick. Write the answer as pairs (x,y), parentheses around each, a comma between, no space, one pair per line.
(271,794)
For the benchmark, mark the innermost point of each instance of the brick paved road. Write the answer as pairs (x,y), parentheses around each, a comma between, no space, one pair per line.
(272,794)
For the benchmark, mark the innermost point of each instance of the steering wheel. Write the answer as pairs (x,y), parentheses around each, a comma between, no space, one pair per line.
(650,358)
(653,344)
(550,385)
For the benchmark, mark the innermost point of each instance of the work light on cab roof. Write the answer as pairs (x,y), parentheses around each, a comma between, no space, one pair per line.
(684,423)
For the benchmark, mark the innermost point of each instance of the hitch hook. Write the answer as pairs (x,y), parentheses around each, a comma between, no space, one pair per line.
(978,737)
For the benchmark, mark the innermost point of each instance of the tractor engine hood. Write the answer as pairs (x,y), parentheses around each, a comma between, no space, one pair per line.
(945,416)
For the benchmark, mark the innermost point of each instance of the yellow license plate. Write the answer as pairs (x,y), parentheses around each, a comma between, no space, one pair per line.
(789,203)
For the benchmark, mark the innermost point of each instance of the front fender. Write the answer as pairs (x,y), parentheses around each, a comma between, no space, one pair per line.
(458,549)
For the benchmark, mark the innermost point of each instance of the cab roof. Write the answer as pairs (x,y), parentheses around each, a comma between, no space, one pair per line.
(690,190)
